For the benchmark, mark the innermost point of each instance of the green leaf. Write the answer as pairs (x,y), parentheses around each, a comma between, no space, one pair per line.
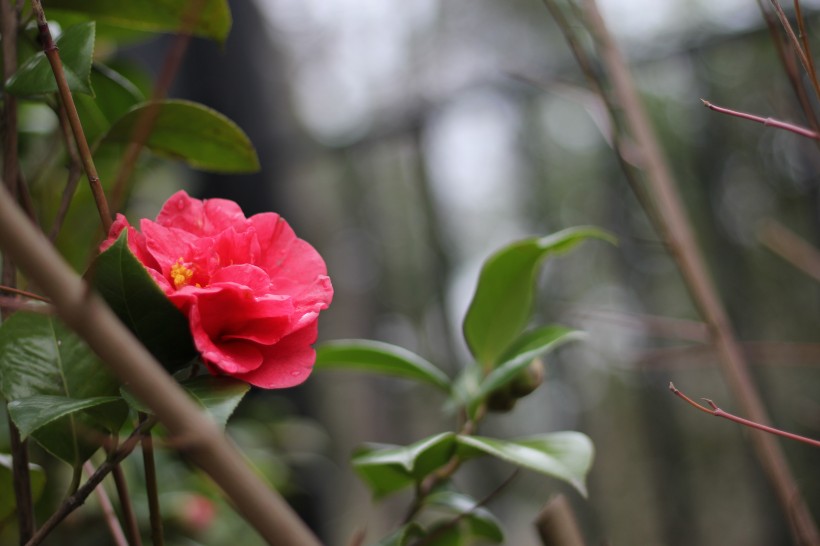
(114,96)
(387,468)
(35,76)
(213,16)
(566,456)
(8,503)
(42,357)
(34,412)
(530,345)
(142,305)
(481,522)
(503,300)
(377,357)
(402,536)
(200,136)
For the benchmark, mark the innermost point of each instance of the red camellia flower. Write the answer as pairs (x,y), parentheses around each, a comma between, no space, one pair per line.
(252,290)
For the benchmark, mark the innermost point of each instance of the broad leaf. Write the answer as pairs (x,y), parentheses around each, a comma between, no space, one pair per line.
(32,413)
(213,17)
(35,76)
(8,503)
(200,136)
(387,468)
(42,357)
(563,455)
(524,350)
(114,96)
(377,357)
(403,536)
(481,522)
(142,305)
(503,300)
(218,396)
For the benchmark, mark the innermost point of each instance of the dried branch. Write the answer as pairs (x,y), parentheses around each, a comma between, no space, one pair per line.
(678,233)
(717,412)
(770,122)
(789,246)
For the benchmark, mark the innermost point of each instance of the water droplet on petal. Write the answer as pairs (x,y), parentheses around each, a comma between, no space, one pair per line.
(296,373)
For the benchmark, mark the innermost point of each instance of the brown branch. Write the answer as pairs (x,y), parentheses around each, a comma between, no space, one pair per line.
(88,315)
(78,498)
(108,510)
(151,489)
(56,63)
(75,170)
(717,412)
(769,122)
(680,238)
(128,515)
(789,246)
(25,294)
(557,524)
(795,42)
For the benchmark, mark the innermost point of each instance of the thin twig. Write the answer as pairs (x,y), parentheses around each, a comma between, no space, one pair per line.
(108,510)
(678,232)
(128,515)
(792,248)
(804,39)
(53,56)
(145,124)
(78,499)
(769,122)
(151,490)
(801,54)
(717,412)
(75,171)
(24,293)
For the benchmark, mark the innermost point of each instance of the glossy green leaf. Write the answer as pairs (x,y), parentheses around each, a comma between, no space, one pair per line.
(387,468)
(382,358)
(213,17)
(566,456)
(503,300)
(217,395)
(530,345)
(35,76)
(200,136)
(114,96)
(37,478)
(42,357)
(34,412)
(480,521)
(142,305)
(402,536)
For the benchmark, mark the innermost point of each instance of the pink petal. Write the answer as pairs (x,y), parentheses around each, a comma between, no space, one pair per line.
(202,218)
(286,364)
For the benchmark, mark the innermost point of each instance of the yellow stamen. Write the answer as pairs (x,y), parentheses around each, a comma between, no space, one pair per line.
(180,274)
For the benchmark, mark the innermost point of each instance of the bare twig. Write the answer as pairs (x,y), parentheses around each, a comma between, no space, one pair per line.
(151,489)
(88,315)
(75,170)
(53,56)
(770,122)
(128,515)
(78,498)
(108,510)
(798,48)
(717,412)
(789,246)
(678,233)
(557,525)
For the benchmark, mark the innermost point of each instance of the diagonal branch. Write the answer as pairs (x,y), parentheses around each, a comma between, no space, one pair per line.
(769,122)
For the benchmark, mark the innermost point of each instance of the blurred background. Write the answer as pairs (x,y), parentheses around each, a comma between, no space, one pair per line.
(408,141)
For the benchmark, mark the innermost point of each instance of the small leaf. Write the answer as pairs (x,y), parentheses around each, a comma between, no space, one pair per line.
(218,395)
(502,304)
(524,350)
(34,412)
(142,305)
(387,468)
(402,536)
(200,136)
(42,357)
(35,76)
(8,503)
(482,523)
(114,96)
(377,357)
(213,17)
(563,455)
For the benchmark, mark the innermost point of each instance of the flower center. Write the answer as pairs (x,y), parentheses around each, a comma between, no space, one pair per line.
(180,274)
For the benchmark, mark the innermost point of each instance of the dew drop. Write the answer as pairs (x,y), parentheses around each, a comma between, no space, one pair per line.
(295,373)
